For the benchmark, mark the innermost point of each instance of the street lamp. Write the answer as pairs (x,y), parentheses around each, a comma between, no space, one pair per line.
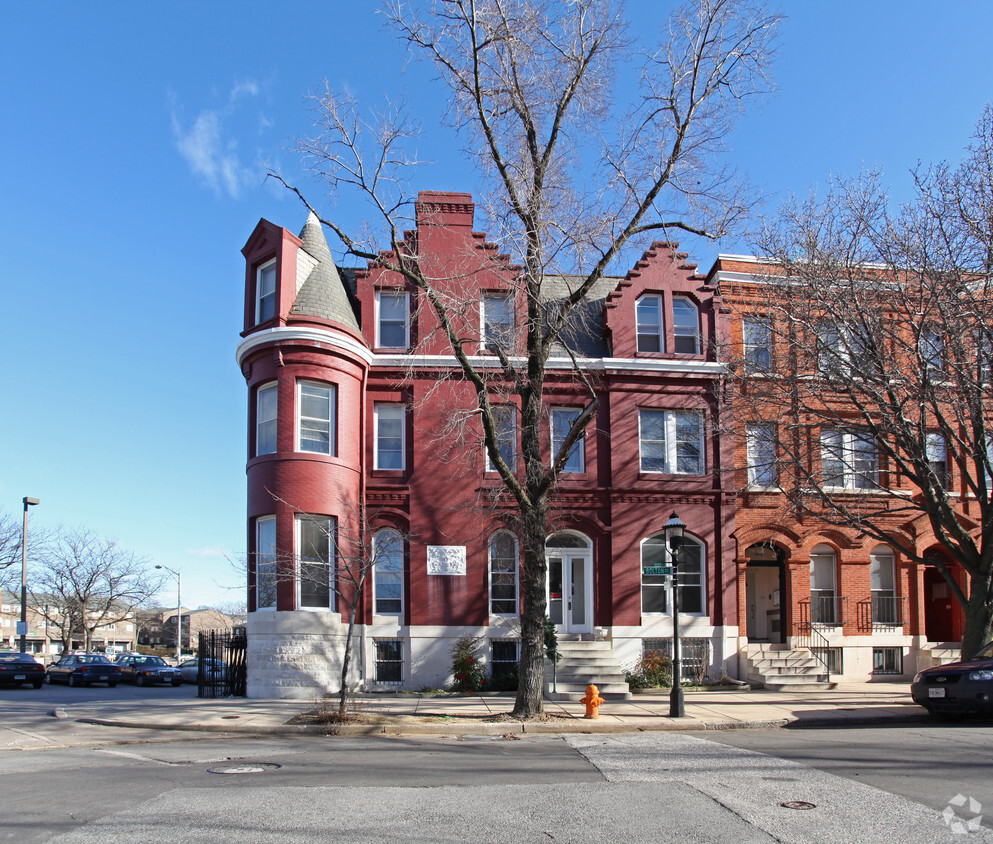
(674,539)
(23,626)
(179,611)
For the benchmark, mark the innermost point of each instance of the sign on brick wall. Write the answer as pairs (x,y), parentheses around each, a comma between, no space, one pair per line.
(446,559)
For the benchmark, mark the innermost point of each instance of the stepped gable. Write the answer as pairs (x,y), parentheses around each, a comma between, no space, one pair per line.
(323,293)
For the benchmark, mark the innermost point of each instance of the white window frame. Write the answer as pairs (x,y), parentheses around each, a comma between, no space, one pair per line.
(391,555)
(331,420)
(327,527)
(264,391)
(761,458)
(261,294)
(488,343)
(664,582)
(671,421)
(400,295)
(382,412)
(931,347)
(756,343)
(376,661)
(823,561)
(266,561)
(649,329)
(493,574)
(845,455)
(937,456)
(505,435)
(560,420)
(683,307)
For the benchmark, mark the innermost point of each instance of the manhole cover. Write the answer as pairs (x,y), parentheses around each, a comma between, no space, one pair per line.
(798,804)
(244,768)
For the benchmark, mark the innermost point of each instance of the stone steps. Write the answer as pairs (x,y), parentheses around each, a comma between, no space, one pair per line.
(584,663)
(781,669)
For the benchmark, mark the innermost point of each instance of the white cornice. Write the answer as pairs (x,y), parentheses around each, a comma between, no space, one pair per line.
(325,337)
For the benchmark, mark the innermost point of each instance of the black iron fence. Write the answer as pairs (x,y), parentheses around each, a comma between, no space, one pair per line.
(881,611)
(221,665)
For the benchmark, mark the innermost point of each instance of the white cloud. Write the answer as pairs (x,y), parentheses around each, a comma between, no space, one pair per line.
(209,551)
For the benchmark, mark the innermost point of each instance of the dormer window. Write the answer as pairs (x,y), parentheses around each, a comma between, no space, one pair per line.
(685,327)
(265,298)
(649,317)
(498,322)
(392,319)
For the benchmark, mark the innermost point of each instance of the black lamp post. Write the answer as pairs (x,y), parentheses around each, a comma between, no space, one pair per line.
(674,539)
(23,632)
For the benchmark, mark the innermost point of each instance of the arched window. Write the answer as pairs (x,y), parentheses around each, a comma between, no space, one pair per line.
(685,327)
(648,315)
(656,587)
(503,574)
(823,598)
(882,578)
(387,573)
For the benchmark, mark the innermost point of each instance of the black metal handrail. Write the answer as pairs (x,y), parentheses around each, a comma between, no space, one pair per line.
(881,611)
(824,610)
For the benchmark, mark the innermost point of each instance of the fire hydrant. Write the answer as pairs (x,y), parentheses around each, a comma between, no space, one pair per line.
(592,701)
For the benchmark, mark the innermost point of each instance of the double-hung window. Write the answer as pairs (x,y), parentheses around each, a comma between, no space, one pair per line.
(505,422)
(393,319)
(503,574)
(389,441)
(315,417)
(498,322)
(562,419)
(932,350)
(656,589)
(823,604)
(387,554)
(265,293)
(757,344)
(882,580)
(685,327)
(265,563)
(315,555)
(671,441)
(937,458)
(760,441)
(648,313)
(266,408)
(849,460)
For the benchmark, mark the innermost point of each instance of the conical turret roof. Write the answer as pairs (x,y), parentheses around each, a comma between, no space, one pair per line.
(323,292)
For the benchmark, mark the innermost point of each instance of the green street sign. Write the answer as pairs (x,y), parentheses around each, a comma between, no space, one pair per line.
(663,571)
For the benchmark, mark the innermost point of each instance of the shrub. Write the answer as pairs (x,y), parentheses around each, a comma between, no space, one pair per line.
(652,670)
(467,668)
(506,682)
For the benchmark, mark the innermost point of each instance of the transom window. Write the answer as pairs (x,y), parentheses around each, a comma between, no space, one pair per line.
(648,312)
(685,327)
(265,293)
(266,408)
(849,460)
(315,416)
(671,441)
(498,322)
(389,441)
(387,550)
(393,322)
(265,563)
(503,574)
(562,419)
(315,572)
(656,588)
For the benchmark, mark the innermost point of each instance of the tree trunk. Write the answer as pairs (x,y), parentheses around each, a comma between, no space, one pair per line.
(530,686)
(978,616)
(345,661)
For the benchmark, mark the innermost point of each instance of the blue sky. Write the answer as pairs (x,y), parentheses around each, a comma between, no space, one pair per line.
(134,149)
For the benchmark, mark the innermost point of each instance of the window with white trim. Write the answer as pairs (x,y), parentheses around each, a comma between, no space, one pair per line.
(389,440)
(561,420)
(656,589)
(392,319)
(266,412)
(849,460)
(685,327)
(389,660)
(648,316)
(757,344)
(265,293)
(823,598)
(387,573)
(931,346)
(505,655)
(503,574)
(760,446)
(882,581)
(937,457)
(505,422)
(497,319)
(316,417)
(671,441)
(887,660)
(265,563)
(315,556)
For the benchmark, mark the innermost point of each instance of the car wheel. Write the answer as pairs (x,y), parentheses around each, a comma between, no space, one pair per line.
(48,679)
(139,681)
(37,684)
(176,682)
(72,680)
(112,683)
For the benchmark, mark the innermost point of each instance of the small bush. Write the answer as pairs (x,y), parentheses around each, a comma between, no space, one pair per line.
(506,682)
(467,668)
(653,670)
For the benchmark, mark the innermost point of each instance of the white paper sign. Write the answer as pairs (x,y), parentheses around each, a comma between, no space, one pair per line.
(446,559)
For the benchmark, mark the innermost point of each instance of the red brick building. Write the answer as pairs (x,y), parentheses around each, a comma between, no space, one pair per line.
(353,395)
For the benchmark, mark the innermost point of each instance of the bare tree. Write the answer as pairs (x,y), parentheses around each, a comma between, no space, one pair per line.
(882,369)
(10,550)
(575,175)
(86,582)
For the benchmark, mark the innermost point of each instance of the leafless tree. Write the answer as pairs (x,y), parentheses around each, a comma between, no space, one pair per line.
(84,582)
(576,173)
(10,551)
(881,376)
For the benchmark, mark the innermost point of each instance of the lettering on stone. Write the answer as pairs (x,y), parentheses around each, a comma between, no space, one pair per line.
(446,559)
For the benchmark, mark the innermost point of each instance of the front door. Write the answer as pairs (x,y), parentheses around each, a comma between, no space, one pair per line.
(939,608)
(570,593)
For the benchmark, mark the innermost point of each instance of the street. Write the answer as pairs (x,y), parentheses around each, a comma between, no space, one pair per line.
(85,783)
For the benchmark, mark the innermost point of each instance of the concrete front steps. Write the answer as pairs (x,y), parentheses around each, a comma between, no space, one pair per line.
(782,669)
(585,662)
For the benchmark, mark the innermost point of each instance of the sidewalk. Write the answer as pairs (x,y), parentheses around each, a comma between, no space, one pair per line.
(457,715)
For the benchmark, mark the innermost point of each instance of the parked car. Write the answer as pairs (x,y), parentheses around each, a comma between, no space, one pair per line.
(20,669)
(215,670)
(958,688)
(83,670)
(148,670)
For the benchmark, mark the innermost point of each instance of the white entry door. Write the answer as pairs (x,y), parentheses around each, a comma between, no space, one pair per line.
(570,584)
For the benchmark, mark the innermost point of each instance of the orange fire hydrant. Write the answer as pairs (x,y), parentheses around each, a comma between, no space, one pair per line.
(592,701)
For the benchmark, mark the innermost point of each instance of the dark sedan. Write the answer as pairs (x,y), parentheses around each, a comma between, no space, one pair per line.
(83,670)
(21,669)
(958,688)
(147,671)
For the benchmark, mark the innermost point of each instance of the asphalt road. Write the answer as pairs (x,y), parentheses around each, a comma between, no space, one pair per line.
(80,783)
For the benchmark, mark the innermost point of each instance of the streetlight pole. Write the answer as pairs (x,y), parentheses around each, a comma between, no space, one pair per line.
(28,502)
(179,611)
(674,537)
